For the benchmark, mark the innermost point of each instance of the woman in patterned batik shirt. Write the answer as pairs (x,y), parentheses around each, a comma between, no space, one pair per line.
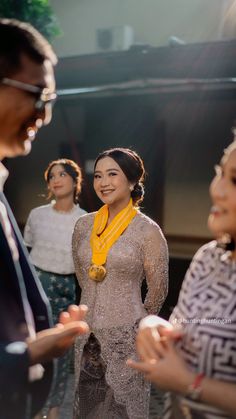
(48,232)
(114,249)
(199,369)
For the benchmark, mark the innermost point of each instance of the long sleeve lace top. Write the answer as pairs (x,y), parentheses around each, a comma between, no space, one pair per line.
(115,305)
(140,252)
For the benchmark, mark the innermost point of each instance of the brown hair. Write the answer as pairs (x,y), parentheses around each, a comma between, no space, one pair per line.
(73,171)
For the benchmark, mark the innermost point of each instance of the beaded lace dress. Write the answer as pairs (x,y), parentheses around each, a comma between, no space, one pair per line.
(110,389)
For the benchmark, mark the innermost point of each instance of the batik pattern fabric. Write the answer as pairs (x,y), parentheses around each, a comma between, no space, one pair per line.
(60,290)
(206,311)
(105,386)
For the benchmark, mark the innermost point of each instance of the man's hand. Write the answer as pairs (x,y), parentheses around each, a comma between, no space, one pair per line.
(54,342)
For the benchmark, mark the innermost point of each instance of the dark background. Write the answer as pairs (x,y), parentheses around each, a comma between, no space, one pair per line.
(173,105)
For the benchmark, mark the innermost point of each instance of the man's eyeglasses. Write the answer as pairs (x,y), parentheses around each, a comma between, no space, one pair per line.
(42,95)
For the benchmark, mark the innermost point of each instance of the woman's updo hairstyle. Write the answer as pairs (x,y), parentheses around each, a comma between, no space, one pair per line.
(132,166)
(72,169)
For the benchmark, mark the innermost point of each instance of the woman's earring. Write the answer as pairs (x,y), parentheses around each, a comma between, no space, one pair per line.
(131,188)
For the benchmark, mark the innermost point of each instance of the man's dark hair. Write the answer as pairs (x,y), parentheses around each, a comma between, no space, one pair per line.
(17,38)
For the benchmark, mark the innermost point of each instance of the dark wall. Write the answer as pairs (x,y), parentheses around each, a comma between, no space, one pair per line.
(124,122)
(177,271)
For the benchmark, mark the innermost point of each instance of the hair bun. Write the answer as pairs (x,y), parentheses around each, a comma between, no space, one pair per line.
(138,193)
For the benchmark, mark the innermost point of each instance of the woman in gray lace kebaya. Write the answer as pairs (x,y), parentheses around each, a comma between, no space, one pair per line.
(105,387)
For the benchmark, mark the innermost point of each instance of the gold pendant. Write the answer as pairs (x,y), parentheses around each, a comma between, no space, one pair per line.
(97,272)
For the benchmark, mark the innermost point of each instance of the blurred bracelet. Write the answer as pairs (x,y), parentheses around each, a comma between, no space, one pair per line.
(195,389)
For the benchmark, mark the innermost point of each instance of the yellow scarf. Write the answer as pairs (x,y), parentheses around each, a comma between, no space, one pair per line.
(101,240)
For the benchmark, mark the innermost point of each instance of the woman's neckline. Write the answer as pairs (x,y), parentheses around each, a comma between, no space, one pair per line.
(63,211)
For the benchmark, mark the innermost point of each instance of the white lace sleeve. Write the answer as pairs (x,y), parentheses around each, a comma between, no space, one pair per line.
(155,268)
(28,232)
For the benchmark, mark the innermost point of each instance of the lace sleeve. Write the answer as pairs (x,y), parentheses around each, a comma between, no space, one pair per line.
(75,242)
(28,232)
(82,226)
(155,268)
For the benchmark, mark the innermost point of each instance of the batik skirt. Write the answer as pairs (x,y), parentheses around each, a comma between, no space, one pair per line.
(61,292)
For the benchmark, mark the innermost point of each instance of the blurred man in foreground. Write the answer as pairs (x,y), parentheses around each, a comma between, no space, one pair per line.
(27,343)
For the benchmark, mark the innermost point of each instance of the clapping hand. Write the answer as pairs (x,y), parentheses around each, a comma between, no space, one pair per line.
(160,361)
(54,342)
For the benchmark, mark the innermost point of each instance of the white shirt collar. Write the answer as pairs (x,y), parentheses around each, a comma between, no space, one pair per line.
(3,176)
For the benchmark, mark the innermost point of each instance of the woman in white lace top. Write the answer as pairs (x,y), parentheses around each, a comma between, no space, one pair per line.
(114,249)
(48,233)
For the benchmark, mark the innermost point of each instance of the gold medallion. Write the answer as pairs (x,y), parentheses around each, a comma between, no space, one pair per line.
(97,272)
